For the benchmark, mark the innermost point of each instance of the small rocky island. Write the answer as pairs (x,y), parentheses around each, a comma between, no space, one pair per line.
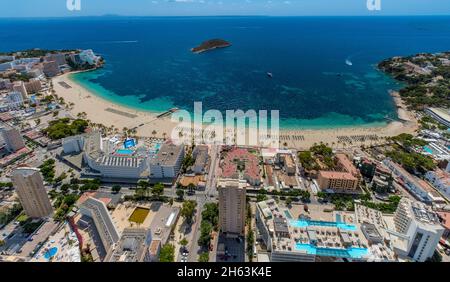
(211,45)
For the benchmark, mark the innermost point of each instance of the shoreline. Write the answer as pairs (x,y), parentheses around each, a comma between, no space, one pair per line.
(100,110)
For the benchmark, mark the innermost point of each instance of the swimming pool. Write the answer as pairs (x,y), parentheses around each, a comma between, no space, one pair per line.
(355,253)
(124,152)
(288,214)
(129,143)
(427,149)
(305,223)
(50,253)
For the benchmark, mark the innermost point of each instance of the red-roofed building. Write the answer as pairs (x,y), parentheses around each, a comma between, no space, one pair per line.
(6,117)
(239,163)
(84,197)
(9,159)
(445,220)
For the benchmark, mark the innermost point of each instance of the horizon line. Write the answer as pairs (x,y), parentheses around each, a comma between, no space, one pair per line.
(215,16)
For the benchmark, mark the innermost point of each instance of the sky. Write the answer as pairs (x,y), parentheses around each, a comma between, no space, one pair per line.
(58,8)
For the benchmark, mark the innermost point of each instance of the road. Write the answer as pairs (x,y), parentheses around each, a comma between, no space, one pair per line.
(208,196)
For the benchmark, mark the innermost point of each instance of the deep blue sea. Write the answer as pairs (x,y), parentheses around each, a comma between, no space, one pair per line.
(150,66)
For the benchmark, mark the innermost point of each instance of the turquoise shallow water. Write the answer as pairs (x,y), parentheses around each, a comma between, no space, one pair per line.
(149,65)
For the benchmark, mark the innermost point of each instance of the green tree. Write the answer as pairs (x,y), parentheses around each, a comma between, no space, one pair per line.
(204,257)
(262,195)
(210,213)
(116,188)
(250,242)
(205,233)
(158,189)
(65,188)
(184,242)
(321,195)
(167,253)
(289,201)
(180,194)
(188,210)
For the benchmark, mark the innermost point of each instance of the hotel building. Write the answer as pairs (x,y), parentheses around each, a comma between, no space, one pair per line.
(19,86)
(98,212)
(51,69)
(440,115)
(14,100)
(12,138)
(304,240)
(419,188)
(59,58)
(4,83)
(73,144)
(167,162)
(108,165)
(133,246)
(240,163)
(201,156)
(346,178)
(287,163)
(33,86)
(232,203)
(32,193)
(440,180)
(422,228)
(88,56)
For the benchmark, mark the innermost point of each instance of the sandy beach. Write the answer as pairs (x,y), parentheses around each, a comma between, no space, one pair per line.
(99,110)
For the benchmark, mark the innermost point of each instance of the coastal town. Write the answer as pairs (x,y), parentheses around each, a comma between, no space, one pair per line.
(85,180)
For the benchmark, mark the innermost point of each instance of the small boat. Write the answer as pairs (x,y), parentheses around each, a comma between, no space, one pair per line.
(348,62)
(270,75)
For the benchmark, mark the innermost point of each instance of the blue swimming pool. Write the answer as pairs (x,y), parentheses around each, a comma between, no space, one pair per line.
(129,143)
(355,253)
(50,253)
(305,223)
(124,152)
(427,149)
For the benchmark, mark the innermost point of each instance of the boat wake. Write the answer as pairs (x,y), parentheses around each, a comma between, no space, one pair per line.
(124,41)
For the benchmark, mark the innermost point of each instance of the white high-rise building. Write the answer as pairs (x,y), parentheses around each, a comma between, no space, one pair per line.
(167,162)
(421,227)
(96,156)
(98,212)
(32,194)
(133,246)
